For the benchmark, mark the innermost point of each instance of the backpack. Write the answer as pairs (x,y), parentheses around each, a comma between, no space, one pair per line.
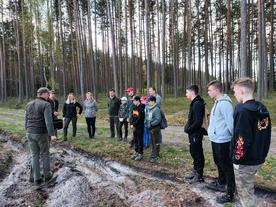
(206,120)
(163,123)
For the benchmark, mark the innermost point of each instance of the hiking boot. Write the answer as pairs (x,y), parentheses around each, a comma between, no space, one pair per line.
(138,157)
(134,155)
(49,178)
(125,139)
(225,199)
(154,159)
(197,178)
(38,182)
(119,139)
(216,186)
(191,175)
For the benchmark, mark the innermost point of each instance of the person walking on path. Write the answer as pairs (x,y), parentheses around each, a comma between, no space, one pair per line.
(220,132)
(91,107)
(113,108)
(195,133)
(70,114)
(137,126)
(251,141)
(153,124)
(123,115)
(39,126)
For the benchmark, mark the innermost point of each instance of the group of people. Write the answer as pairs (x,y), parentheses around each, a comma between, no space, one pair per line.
(240,138)
(144,116)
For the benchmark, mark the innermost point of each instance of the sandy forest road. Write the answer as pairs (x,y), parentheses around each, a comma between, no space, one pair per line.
(83,179)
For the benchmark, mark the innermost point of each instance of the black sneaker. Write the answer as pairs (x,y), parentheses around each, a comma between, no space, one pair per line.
(190,176)
(216,186)
(154,159)
(197,178)
(225,199)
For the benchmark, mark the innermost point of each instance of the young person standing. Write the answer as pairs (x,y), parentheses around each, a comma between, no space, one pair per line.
(195,133)
(137,126)
(123,115)
(220,132)
(153,124)
(91,107)
(251,140)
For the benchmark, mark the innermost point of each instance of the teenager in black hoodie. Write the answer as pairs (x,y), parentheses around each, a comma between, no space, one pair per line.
(195,133)
(251,141)
(137,126)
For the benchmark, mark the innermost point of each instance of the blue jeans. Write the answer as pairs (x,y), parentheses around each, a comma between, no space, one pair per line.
(40,144)
(146,135)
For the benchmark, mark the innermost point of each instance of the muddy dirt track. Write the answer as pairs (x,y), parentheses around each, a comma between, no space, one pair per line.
(82,179)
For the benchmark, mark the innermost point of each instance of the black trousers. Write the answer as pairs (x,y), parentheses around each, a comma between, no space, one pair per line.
(138,135)
(113,120)
(121,124)
(90,122)
(196,152)
(221,155)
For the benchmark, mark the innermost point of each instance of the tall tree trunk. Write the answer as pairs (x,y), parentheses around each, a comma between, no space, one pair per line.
(271,46)
(243,72)
(91,51)
(163,49)
(112,34)
(262,77)
(3,60)
(132,58)
(148,42)
(20,83)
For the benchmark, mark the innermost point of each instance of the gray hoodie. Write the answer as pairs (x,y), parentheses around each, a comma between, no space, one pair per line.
(221,125)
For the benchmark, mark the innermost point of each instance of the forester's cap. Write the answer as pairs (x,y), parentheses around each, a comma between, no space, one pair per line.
(129,89)
(124,98)
(53,91)
(136,98)
(144,98)
(152,98)
(43,90)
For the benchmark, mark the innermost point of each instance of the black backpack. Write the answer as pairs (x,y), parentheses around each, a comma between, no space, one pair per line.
(163,123)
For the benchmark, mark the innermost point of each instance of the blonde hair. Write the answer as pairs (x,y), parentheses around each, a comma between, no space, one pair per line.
(245,82)
(68,101)
(89,93)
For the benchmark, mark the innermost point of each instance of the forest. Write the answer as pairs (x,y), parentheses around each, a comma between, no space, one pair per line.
(79,45)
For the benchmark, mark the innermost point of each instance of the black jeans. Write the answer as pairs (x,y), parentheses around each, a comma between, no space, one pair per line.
(196,152)
(90,122)
(221,155)
(113,120)
(138,135)
(66,124)
(121,124)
